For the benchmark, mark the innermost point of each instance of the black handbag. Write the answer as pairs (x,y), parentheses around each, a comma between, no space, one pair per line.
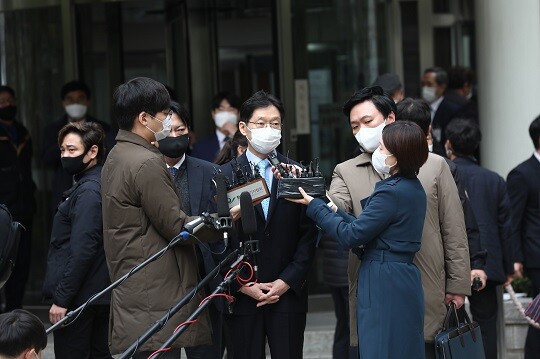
(459,339)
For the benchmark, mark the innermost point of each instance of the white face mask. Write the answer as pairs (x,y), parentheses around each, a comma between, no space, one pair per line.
(430,147)
(264,140)
(378,160)
(222,117)
(164,133)
(368,138)
(76,111)
(428,94)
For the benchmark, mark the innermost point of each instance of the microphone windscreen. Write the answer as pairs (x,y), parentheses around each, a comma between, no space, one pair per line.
(249,222)
(221,194)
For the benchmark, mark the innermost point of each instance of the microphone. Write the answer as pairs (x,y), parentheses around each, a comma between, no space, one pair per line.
(221,193)
(249,226)
(196,224)
(224,221)
(249,222)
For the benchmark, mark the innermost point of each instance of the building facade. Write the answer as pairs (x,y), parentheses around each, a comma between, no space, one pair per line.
(312,54)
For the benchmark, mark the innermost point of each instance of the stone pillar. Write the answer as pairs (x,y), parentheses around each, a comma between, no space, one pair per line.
(508,58)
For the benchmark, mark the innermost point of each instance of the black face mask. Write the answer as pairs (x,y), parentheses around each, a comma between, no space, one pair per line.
(8,113)
(174,147)
(74,165)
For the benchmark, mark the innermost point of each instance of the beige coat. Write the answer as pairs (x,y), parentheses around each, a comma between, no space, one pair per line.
(443,259)
(141,214)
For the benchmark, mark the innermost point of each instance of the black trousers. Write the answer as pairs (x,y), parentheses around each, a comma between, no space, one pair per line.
(532,343)
(86,337)
(16,284)
(213,351)
(341,348)
(484,311)
(284,332)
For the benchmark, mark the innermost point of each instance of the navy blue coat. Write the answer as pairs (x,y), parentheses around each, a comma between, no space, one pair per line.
(287,244)
(491,206)
(524,191)
(76,266)
(206,149)
(390,308)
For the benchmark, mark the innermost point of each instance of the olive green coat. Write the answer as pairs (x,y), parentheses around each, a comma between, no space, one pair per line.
(141,214)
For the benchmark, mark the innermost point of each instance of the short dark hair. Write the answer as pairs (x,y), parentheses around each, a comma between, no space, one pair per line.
(231,98)
(389,82)
(91,134)
(260,99)
(414,110)
(141,94)
(5,88)
(230,148)
(384,104)
(407,142)
(458,76)
(534,132)
(464,136)
(74,86)
(19,331)
(441,77)
(182,112)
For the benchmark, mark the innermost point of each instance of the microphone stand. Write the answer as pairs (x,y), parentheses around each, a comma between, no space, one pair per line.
(160,323)
(250,247)
(74,313)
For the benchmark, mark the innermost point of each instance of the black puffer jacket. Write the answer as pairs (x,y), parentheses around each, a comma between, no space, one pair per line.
(76,266)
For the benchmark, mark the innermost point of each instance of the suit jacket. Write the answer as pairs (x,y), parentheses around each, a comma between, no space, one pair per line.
(443,258)
(445,113)
(201,199)
(287,248)
(491,206)
(207,148)
(524,191)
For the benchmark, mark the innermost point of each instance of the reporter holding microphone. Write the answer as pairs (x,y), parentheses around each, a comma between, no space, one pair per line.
(390,308)
(142,213)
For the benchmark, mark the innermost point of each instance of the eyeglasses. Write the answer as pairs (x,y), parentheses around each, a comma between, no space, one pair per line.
(261,124)
(169,115)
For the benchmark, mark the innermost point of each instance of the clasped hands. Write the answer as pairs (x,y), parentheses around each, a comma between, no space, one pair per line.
(266,293)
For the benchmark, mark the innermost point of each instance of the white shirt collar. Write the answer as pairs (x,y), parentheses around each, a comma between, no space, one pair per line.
(179,163)
(537,155)
(435,106)
(221,138)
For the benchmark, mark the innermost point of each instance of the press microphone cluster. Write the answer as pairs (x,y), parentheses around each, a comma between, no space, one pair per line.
(245,178)
(308,177)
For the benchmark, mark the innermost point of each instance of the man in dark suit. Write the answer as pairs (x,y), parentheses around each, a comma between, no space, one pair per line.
(224,112)
(274,307)
(491,207)
(524,191)
(193,180)
(434,84)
